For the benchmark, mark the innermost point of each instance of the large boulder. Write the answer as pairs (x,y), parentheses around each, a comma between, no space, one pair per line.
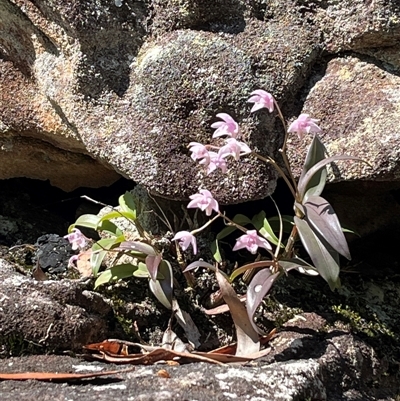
(90,88)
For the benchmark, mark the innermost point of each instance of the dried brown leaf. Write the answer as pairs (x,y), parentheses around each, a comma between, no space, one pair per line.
(247,338)
(49,376)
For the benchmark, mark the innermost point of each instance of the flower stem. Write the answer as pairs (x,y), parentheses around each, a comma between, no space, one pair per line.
(269,159)
(231,222)
(283,149)
(197,230)
(291,240)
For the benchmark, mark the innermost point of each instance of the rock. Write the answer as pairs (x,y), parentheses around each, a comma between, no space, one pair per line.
(36,140)
(354,25)
(49,315)
(53,253)
(357,103)
(86,87)
(324,366)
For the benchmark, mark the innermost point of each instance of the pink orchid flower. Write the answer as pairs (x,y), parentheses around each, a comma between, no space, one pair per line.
(185,239)
(76,239)
(234,148)
(204,201)
(228,127)
(261,100)
(304,125)
(216,161)
(199,152)
(251,241)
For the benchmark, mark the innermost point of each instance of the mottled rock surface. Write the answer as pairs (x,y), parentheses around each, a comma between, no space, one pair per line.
(89,87)
(358,103)
(340,369)
(49,315)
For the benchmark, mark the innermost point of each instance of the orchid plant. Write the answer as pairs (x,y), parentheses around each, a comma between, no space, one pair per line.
(122,237)
(314,224)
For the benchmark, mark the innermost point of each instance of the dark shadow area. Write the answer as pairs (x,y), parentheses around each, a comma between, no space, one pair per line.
(95,381)
(30,208)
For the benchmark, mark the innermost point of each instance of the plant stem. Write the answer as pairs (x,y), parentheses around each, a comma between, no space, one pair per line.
(197,230)
(283,150)
(269,159)
(291,241)
(238,226)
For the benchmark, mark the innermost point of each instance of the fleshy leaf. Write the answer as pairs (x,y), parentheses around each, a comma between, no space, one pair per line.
(198,263)
(258,220)
(298,264)
(116,272)
(225,232)
(249,266)
(325,259)
(215,251)
(127,204)
(100,250)
(257,290)
(305,180)
(262,225)
(315,154)
(117,214)
(142,272)
(201,263)
(320,214)
(241,219)
(137,246)
(247,338)
(287,223)
(163,289)
(86,220)
(109,227)
(152,263)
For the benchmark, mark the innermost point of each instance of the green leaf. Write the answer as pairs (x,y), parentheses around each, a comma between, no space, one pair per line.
(117,214)
(142,271)
(267,232)
(225,232)
(163,289)
(287,223)
(109,227)
(215,251)
(127,204)
(99,251)
(258,220)
(262,225)
(86,220)
(324,258)
(315,154)
(241,219)
(347,230)
(306,178)
(116,272)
